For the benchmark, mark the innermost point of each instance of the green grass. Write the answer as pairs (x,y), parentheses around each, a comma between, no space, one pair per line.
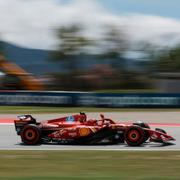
(89,165)
(38,109)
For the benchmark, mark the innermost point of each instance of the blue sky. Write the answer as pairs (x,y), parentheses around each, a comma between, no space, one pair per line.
(168,8)
(165,8)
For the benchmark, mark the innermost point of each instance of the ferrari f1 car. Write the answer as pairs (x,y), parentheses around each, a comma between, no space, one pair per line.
(77,129)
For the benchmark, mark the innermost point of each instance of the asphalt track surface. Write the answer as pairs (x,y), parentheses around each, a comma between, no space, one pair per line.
(170,121)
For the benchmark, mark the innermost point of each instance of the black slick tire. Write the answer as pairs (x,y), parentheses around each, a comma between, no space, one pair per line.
(134,136)
(31,134)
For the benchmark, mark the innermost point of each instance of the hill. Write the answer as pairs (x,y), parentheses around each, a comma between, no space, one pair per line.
(34,61)
(39,62)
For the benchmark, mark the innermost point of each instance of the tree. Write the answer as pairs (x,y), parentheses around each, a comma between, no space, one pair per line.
(72,42)
(160,58)
(168,61)
(115,45)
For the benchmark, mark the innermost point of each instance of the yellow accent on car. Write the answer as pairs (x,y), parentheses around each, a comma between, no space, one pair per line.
(84,131)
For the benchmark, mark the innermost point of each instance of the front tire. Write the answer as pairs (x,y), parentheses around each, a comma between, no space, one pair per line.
(134,136)
(31,134)
(143,125)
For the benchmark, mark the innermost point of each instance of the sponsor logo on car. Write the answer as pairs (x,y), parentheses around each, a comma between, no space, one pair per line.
(84,131)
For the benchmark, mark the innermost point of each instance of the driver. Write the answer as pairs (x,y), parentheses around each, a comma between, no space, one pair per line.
(83,117)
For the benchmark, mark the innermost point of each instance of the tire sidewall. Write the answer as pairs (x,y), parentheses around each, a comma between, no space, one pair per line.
(35,132)
(134,142)
(144,125)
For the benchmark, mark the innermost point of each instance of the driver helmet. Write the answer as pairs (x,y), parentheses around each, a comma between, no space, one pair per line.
(83,117)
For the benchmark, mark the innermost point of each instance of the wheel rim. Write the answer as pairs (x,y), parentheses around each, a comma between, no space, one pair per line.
(134,135)
(30,134)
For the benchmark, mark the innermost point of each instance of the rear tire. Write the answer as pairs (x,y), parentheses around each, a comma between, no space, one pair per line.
(134,136)
(31,134)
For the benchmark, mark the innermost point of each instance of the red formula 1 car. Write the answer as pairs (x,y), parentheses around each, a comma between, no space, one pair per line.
(77,129)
